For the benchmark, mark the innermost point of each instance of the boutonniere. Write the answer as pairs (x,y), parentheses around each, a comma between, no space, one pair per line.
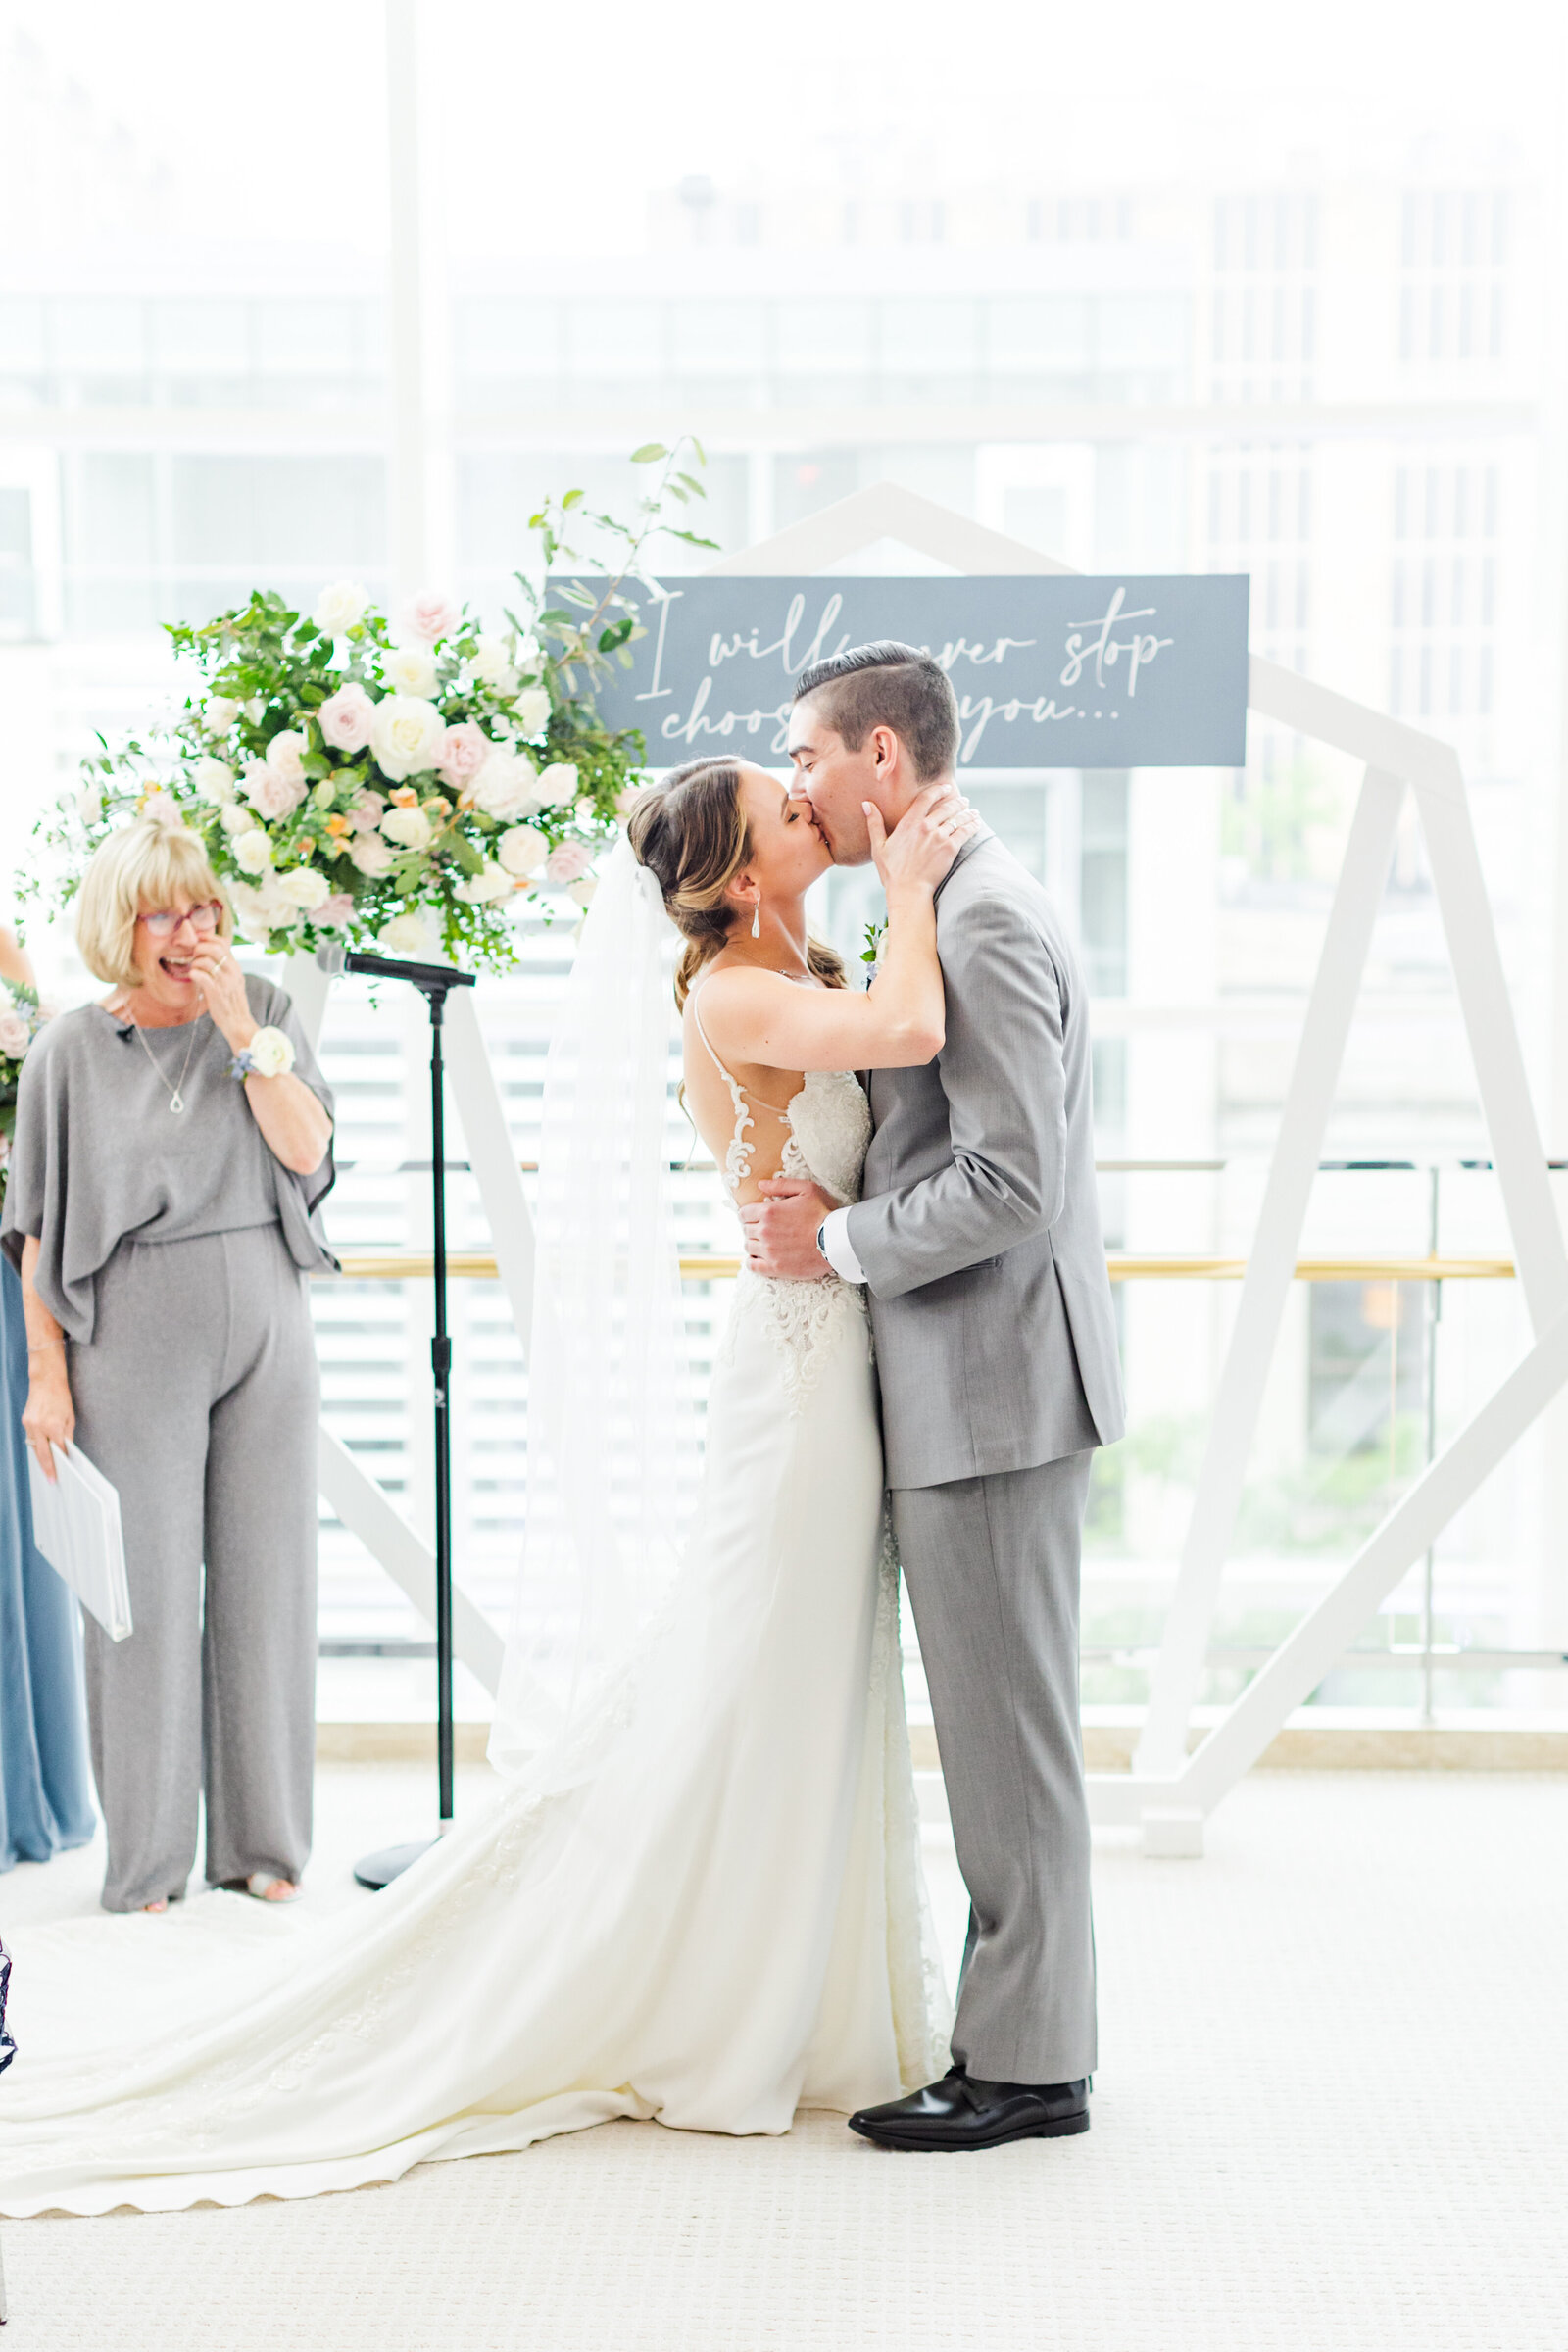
(871,953)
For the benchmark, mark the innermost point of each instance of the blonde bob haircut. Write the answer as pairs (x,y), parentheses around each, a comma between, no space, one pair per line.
(144,867)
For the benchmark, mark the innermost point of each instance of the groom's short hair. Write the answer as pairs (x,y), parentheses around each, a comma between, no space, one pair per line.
(889,685)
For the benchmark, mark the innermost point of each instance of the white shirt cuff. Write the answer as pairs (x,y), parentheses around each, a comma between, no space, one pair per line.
(834,1241)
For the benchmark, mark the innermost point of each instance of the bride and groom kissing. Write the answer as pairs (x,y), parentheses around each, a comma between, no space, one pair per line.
(699,1900)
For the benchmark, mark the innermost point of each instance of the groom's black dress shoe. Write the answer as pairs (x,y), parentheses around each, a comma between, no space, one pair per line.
(961,2113)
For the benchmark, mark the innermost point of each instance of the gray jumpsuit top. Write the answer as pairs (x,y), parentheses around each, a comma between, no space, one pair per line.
(173,1253)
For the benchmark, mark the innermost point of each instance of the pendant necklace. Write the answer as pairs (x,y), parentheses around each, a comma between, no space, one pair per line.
(177,1100)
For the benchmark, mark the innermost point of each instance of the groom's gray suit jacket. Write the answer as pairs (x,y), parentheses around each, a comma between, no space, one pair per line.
(980,1232)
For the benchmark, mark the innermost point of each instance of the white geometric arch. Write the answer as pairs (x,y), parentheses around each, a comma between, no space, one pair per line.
(1168,1790)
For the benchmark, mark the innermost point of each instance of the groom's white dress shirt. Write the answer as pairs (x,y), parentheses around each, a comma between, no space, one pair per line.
(833,1240)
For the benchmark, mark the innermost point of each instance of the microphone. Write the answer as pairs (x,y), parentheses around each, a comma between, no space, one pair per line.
(433,978)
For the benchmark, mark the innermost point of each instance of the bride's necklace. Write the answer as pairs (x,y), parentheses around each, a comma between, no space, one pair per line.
(176,1098)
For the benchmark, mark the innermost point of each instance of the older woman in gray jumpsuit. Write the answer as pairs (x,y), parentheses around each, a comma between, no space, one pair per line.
(173,1145)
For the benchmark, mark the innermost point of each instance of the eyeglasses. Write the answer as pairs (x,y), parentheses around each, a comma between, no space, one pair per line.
(166,921)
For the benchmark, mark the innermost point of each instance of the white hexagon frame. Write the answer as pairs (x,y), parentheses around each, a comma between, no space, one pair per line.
(1168,1790)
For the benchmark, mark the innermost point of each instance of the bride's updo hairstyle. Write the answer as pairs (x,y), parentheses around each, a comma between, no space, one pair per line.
(692,835)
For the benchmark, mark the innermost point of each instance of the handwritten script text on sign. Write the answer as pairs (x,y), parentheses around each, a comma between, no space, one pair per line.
(1060,671)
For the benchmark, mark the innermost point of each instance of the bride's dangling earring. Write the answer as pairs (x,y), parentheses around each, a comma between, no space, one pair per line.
(757,917)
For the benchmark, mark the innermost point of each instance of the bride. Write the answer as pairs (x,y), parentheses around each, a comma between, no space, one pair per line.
(699,1898)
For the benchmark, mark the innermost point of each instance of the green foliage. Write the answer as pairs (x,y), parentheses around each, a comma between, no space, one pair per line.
(604,625)
(21,1018)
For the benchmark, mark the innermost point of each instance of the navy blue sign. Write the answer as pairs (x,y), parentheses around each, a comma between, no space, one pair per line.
(1050,672)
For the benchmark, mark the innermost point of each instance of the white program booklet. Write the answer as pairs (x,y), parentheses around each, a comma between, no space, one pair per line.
(75,1525)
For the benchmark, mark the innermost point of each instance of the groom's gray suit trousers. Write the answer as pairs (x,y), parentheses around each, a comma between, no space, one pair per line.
(993,1566)
(996,1350)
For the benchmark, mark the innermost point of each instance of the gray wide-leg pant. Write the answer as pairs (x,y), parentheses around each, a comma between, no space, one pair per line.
(198,1398)
(993,1567)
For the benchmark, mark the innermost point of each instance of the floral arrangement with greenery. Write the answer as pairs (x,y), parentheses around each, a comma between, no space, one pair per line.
(22,1016)
(401,790)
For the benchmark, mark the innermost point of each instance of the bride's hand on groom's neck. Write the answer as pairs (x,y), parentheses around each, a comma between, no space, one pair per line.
(780,1231)
(923,845)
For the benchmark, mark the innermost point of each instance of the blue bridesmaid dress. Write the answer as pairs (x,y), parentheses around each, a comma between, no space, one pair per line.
(45,1794)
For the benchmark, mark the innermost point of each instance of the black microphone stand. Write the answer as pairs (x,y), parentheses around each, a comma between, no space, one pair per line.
(434,981)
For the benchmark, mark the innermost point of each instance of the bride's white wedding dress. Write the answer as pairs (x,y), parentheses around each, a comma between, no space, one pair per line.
(723,1921)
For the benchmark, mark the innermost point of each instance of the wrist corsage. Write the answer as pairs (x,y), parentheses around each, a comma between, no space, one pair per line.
(269,1055)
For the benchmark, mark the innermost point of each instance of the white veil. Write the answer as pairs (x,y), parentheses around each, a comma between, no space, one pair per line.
(613,1458)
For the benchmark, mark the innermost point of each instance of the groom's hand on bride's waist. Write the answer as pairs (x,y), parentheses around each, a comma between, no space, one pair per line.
(780,1230)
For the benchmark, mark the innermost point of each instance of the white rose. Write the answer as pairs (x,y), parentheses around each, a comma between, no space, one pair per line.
(406,736)
(585,815)
(237,819)
(407,935)
(214,781)
(250,909)
(271,1053)
(410,671)
(220,715)
(410,828)
(531,710)
(489,663)
(255,708)
(282,912)
(522,849)
(305,887)
(283,755)
(556,785)
(506,787)
(254,852)
(339,607)
(482,890)
(582,890)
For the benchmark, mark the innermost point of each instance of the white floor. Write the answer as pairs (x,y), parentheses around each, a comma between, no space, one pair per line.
(1331,2114)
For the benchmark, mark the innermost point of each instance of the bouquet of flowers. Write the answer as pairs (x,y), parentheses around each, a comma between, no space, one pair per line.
(22,1016)
(399,790)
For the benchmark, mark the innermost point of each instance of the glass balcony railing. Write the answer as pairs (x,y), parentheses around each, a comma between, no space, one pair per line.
(1403,1317)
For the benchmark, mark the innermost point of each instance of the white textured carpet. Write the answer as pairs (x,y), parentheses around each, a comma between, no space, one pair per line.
(1330,2113)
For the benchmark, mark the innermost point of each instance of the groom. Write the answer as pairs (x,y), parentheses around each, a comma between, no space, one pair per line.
(979,1242)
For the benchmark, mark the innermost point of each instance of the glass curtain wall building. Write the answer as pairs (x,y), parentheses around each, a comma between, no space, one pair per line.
(1335,386)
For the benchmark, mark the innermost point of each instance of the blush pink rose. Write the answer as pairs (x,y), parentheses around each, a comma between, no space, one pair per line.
(334,912)
(269,794)
(13,1035)
(570,862)
(345,719)
(371,855)
(430,615)
(460,753)
(366,810)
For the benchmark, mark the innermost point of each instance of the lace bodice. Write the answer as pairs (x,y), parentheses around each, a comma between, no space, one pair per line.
(829,1125)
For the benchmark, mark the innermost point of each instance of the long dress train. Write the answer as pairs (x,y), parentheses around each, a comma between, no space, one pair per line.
(724,1922)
